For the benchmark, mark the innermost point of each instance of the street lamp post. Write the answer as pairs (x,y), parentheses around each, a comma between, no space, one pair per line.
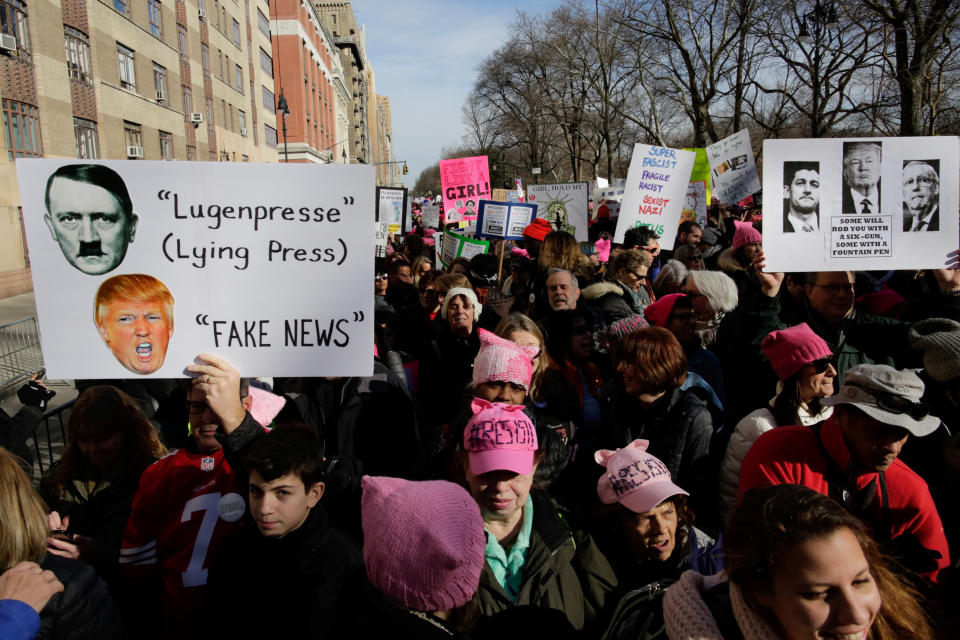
(821,18)
(284,111)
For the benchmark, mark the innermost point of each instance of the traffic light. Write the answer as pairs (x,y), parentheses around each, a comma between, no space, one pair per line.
(405,170)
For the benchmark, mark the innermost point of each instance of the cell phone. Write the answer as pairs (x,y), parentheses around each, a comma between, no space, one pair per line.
(61,534)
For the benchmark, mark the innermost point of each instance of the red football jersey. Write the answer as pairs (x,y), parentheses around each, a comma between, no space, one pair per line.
(187,504)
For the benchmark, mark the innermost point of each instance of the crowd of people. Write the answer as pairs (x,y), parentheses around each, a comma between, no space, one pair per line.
(656,444)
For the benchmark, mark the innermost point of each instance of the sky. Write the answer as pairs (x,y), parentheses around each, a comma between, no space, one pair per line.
(424,55)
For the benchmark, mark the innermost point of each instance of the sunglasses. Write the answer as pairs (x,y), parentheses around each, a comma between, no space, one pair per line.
(641,278)
(897,404)
(820,365)
(381,276)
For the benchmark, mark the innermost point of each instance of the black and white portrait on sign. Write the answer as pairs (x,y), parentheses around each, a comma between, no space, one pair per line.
(861,177)
(921,195)
(801,197)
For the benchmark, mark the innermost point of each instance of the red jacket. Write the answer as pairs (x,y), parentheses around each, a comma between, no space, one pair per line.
(791,455)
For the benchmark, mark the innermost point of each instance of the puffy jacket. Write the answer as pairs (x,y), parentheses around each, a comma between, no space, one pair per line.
(84,610)
(793,455)
(744,435)
(613,300)
(564,570)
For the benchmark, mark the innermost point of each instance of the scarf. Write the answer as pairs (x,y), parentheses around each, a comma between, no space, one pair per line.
(687,617)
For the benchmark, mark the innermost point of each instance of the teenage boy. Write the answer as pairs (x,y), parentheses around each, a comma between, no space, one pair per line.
(283,576)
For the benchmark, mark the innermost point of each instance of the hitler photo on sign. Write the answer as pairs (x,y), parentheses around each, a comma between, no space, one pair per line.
(860,204)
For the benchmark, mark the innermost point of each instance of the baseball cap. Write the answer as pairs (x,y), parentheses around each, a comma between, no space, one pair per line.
(499,437)
(888,395)
(634,478)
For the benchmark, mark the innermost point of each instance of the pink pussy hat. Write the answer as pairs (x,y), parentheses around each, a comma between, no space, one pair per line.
(634,478)
(423,542)
(503,361)
(745,233)
(499,437)
(790,349)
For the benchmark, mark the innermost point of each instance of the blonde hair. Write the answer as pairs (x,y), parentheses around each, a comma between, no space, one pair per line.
(516,321)
(23,516)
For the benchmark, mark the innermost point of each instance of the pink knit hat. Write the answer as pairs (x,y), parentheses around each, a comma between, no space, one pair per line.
(502,361)
(745,234)
(423,542)
(658,312)
(264,405)
(499,437)
(789,349)
(634,478)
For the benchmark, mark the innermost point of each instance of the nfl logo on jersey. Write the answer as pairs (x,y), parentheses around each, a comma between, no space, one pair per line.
(206,464)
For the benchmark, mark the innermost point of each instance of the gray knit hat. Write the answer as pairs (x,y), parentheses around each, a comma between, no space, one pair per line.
(939,339)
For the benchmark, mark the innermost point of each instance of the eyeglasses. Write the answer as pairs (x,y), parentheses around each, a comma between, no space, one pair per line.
(836,289)
(381,276)
(897,404)
(820,365)
(686,316)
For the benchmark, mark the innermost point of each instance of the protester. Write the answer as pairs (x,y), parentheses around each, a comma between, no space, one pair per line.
(572,383)
(109,444)
(563,289)
(671,279)
(852,458)
(626,292)
(532,556)
(519,328)
(421,266)
(801,360)
(84,609)
(690,256)
(796,566)
(25,589)
(714,295)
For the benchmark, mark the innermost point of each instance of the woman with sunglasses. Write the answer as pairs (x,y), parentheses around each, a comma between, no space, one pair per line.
(381,280)
(627,292)
(801,360)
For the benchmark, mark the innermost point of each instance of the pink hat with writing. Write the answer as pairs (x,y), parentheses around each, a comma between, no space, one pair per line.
(499,437)
(634,478)
(501,360)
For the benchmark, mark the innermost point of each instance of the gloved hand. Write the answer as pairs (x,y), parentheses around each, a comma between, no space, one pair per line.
(35,394)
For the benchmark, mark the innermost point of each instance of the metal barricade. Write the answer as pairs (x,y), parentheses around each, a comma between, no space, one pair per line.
(50,437)
(20,355)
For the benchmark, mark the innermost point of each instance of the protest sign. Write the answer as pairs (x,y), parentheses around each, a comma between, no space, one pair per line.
(392,207)
(464,181)
(698,190)
(733,171)
(656,185)
(612,192)
(504,219)
(431,215)
(381,235)
(563,205)
(140,266)
(456,245)
(860,204)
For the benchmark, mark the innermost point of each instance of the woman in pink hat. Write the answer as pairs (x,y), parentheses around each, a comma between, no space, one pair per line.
(532,556)
(802,362)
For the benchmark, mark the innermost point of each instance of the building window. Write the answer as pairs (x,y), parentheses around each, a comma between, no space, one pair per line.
(270,136)
(220,63)
(187,100)
(153,17)
(241,120)
(166,145)
(182,42)
(121,6)
(238,73)
(266,63)
(263,23)
(205,58)
(128,76)
(21,129)
(85,132)
(160,81)
(13,22)
(78,54)
(133,136)
(236,32)
(209,112)
(269,101)
(244,158)
(191,152)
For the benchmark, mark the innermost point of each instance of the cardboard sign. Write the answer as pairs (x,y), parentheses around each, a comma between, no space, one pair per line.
(698,190)
(733,171)
(392,208)
(138,266)
(430,216)
(860,203)
(456,245)
(464,181)
(504,219)
(656,185)
(563,205)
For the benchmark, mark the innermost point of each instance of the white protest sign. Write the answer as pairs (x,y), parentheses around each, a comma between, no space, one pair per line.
(381,230)
(275,280)
(391,207)
(563,205)
(733,173)
(656,185)
(430,216)
(860,203)
(610,192)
